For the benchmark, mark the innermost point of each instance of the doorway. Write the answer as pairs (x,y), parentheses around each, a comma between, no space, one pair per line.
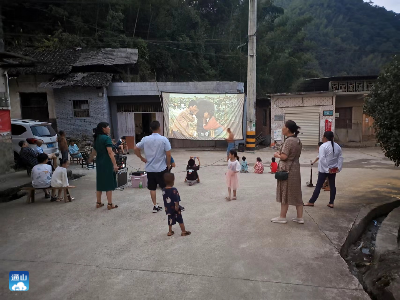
(142,124)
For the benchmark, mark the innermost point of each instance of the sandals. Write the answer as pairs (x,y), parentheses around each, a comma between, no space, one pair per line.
(98,205)
(234,198)
(186,233)
(227,199)
(330,205)
(308,204)
(111,206)
(171,233)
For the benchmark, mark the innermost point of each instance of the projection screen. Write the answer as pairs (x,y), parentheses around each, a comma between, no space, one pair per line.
(203,116)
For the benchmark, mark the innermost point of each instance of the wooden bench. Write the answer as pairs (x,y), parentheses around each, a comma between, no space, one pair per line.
(31,192)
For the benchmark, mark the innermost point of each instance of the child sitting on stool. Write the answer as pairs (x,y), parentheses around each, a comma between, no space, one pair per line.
(191,171)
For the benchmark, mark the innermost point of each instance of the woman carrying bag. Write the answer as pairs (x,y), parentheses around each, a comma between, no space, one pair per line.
(288,190)
(330,163)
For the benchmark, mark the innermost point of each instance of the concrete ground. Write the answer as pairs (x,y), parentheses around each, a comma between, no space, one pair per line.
(75,251)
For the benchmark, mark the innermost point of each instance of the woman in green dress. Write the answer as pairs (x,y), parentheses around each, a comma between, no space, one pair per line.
(106,166)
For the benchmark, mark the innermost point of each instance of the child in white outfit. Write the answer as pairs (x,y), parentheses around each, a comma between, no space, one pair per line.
(60,179)
(232,174)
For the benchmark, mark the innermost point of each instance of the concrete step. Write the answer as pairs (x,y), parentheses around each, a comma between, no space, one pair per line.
(387,238)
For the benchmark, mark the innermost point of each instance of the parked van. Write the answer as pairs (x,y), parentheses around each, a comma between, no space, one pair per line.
(31,131)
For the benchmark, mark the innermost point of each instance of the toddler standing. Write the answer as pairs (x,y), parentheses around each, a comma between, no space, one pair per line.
(171,203)
(232,174)
(259,167)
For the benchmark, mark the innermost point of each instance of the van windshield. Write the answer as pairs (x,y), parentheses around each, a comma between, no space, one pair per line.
(43,130)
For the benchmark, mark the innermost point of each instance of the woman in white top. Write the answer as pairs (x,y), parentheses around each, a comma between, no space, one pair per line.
(330,163)
(60,179)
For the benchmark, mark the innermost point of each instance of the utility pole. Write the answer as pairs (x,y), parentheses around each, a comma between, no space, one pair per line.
(251,77)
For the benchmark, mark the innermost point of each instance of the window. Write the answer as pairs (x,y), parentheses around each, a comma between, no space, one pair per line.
(17,129)
(264,118)
(34,106)
(345,119)
(43,131)
(81,108)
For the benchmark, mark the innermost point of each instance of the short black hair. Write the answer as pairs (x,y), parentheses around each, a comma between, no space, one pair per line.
(320,144)
(61,132)
(42,157)
(192,103)
(244,158)
(169,179)
(123,137)
(273,159)
(191,162)
(259,159)
(154,125)
(21,143)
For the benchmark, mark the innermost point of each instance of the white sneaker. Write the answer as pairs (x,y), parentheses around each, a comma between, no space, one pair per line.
(279,220)
(298,220)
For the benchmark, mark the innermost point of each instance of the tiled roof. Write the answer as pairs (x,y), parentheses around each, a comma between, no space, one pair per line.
(108,57)
(62,61)
(79,79)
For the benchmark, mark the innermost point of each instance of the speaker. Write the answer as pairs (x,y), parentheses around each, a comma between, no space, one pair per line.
(122,177)
(241,147)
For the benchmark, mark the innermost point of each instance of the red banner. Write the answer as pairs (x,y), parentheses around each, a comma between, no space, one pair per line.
(5,121)
(328,125)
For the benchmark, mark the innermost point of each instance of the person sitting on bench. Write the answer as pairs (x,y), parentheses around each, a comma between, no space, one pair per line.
(41,175)
(60,179)
(27,156)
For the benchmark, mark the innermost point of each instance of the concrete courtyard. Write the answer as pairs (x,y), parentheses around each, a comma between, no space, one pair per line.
(75,251)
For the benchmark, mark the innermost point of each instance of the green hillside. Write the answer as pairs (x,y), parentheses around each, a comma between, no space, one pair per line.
(351,36)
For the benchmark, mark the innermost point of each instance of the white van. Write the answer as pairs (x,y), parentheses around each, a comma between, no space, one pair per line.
(30,131)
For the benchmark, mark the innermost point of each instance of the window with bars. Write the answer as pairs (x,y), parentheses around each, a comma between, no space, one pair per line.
(81,108)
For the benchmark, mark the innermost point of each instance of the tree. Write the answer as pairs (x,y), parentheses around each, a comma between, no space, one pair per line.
(383,104)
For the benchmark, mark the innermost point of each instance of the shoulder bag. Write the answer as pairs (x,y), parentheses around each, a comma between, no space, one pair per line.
(283,175)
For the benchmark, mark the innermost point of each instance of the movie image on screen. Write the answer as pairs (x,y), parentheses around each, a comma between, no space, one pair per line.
(203,116)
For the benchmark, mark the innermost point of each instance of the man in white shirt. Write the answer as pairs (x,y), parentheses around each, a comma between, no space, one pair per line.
(330,163)
(41,175)
(157,150)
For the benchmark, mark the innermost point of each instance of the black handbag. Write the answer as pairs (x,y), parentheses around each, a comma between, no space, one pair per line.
(283,175)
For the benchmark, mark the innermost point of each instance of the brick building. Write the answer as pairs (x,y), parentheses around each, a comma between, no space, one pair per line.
(68,88)
(334,103)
